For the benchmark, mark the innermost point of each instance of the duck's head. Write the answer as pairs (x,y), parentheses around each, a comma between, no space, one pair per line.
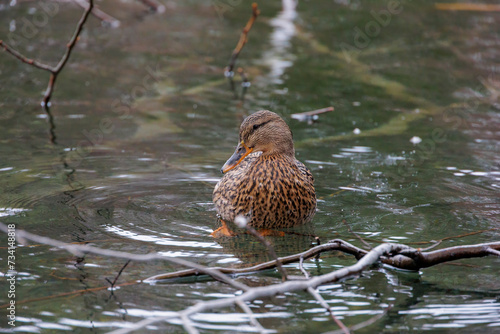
(263,131)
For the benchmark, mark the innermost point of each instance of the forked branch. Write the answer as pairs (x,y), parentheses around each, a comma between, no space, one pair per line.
(54,70)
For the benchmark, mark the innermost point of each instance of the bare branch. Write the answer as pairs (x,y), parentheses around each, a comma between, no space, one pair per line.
(54,71)
(251,316)
(398,261)
(310,116)
(188,324)
(243,39)
(363,324)
(69,48)
(301,267)
(493,251)
(368,246)
(24,59)
(323,303)
(414,259)
(118,275)
(437,243)
(80,250)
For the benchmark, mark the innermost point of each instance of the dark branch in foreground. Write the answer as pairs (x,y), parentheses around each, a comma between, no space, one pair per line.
(397,255)
(271,290)
(54,70)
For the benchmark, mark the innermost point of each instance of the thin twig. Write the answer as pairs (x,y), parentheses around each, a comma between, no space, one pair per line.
(188,324)
(323,303)
(368,246)
(69,48)
(251,316)
(25,59)
(118,275)
(270,250)
(481,7)
(54,71)
(80,250)
(243,39)
(67,294)
(363,324)
(105,17)
(493,251)
(469,234)
(301,267)
(437,243)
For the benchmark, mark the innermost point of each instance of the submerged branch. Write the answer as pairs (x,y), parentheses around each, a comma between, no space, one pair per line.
(80,250)
(271,290)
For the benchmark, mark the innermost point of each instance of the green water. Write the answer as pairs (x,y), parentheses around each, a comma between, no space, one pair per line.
(144,119)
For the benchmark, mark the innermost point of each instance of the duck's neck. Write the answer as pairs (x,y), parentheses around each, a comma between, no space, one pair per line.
(279,148)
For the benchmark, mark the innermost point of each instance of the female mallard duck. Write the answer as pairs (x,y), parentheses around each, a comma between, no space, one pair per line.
(262,179)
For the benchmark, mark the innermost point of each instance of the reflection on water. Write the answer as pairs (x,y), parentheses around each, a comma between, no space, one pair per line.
(458,315)
(278,58)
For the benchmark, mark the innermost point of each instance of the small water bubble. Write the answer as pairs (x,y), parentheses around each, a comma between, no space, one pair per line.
(415,140)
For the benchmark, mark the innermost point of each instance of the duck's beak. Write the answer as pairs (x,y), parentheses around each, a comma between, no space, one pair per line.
(239,154)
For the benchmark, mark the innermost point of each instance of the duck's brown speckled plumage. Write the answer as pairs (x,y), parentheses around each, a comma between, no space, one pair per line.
(269,186)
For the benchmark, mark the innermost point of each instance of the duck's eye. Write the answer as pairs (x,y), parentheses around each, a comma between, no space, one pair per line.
(256,126)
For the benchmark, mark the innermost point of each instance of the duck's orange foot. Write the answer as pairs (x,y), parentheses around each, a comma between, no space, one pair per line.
(223,231)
